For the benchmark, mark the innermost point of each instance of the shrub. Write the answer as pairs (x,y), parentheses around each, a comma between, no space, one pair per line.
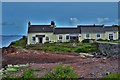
(102,40)
(61,71)
(28,74)
(87,40)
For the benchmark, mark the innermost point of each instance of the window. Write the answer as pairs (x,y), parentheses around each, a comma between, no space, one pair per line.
(98,35)
(67,37)
(60,37)
(47,38)
(87,35)
(33,38)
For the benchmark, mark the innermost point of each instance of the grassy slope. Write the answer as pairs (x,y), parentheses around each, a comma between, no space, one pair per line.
(66,47)
(20,43)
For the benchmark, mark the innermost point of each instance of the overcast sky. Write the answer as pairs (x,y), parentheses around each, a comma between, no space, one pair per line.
(15,15)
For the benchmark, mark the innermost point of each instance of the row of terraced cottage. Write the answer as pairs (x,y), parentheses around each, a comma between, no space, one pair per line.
(52,33)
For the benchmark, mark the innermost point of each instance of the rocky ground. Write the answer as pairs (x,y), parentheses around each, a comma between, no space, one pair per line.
(85,66)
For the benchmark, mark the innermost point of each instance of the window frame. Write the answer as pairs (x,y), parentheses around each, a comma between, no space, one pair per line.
(33,39)
(87,36)
(47,38)
(67,37)
(99,35)
(60,38)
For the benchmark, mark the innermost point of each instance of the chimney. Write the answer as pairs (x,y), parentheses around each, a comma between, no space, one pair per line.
(52,24)
(29,24)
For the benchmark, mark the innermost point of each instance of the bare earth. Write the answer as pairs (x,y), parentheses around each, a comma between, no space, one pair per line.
(85,67)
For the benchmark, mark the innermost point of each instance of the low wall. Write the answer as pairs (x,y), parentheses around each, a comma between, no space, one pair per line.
(109,48)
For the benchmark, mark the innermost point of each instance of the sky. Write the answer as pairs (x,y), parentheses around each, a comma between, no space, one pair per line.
(15,15)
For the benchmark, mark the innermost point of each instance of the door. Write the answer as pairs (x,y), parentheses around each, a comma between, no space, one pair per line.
(40,39)
(110,36)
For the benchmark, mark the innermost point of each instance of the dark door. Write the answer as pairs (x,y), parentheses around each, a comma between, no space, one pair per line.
(111,36)
(40,39)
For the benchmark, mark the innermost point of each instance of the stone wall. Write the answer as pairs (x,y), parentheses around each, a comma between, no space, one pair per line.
(109,48)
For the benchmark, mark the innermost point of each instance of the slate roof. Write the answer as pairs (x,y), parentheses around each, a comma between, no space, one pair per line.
(40,28)
(66,31)
(97,29)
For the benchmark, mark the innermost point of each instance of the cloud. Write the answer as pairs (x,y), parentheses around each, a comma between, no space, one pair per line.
(8,23)
(103,20)
(74,21)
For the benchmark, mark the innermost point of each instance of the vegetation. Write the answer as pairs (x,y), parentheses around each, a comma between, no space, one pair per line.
(109,41)
(65,47)
(87,48)
(20,43)
(37,69)
(62,72)
(87,40)
(113,76)
(28,74)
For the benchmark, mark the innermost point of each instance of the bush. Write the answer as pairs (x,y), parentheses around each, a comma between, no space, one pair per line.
(28,74)
(87,40)
(102,40)
(61,71)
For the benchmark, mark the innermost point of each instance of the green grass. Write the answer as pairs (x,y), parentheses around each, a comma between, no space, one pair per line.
(20,43)
(87,47)
(66,47)
(62,72)
(113,76)
(37,69)
(108,41)
(28,74)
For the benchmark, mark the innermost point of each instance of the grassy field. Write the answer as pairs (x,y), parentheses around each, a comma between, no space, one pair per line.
(65,47)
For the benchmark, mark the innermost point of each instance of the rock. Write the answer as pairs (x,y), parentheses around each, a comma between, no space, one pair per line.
(86,55)
(104,58)
(82,56)
(107,73)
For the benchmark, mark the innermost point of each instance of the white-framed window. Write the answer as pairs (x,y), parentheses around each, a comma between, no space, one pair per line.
(87,36)
(47,39)
(60,37)
(67,37)
(33,39)
(98,36)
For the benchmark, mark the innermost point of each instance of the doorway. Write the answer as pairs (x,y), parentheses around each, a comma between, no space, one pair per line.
(40,39)
(110,36)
